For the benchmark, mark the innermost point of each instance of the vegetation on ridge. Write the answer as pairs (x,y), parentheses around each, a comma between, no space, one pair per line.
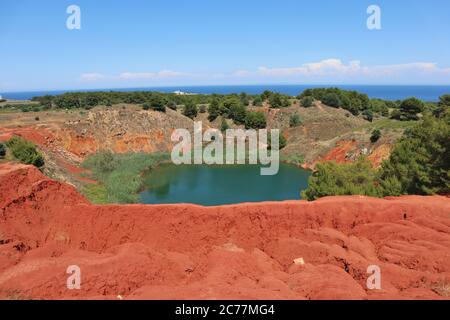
(419,164)
(235,107)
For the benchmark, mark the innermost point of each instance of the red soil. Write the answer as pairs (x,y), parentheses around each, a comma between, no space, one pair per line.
(242,251)
(47,142)
(381,153)
(39,136)
(339,153)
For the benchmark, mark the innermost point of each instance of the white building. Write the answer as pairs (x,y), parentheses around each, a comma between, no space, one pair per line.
(181,93)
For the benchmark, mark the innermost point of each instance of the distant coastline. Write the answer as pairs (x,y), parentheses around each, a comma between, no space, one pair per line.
(387,92)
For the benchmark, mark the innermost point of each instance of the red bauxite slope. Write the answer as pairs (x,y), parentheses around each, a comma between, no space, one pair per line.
(242,251)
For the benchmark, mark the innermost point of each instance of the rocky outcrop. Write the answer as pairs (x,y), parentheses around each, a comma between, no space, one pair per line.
(284,250)
(121,131)
(349,150)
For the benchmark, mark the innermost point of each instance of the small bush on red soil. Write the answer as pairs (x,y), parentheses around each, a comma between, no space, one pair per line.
(25,151)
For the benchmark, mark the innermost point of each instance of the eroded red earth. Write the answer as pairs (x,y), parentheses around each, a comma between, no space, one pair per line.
(244,251)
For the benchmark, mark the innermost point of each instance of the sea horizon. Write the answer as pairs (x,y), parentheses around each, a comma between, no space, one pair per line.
(429,93)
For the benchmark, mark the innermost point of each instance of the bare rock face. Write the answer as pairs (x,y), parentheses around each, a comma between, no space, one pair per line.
(284,250)
(122,131)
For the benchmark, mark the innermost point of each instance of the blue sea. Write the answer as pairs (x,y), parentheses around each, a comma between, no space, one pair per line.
(387,92)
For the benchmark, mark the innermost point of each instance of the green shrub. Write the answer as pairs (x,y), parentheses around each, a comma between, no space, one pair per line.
(157,103)
(396,114)
(255,120)
(419,163)
(172,105)
(385,112)
(245,99)
(332,179)
(238,114)
(266,95)
(368,115)
(224,125)
(295,120)
(352,101)
(380,107)
(230,107)
(332,100)
(25,151)
(410,108)
(443,106)
(376,135)
(257,101)
(277,100)
(307,101)
(190,110)
(214,110)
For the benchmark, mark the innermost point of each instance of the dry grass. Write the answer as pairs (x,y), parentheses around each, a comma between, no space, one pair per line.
(14,294)
(442,289)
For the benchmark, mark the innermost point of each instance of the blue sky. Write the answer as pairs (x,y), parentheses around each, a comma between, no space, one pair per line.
(177,42)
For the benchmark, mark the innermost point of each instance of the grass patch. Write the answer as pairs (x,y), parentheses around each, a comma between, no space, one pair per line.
(119,175)
(96,193)
(296,159)
(387,124)
(24,107)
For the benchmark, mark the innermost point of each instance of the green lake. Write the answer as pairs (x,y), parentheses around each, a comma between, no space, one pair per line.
(218,185)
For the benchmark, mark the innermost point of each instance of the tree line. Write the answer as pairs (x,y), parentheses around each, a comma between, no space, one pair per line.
(235,106)
(358,103)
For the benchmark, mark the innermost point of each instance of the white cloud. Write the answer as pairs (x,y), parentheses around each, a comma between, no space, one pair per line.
(324,67)
(92,76)
(335,67)
(328,70)
(171,74)
(416,67)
